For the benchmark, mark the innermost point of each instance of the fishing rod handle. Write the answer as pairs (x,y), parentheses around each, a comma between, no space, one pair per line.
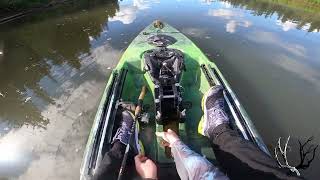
(126,152)
(124,162)
(140,100)
(136,113)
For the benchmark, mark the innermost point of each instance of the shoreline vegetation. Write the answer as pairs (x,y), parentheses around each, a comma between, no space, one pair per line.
(20,5)
(303,12)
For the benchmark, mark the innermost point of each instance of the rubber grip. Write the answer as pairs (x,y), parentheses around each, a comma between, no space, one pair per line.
(140,100)
(143,92)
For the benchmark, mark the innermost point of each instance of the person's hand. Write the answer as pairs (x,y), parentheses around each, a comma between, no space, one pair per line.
(145,167)
(169,136)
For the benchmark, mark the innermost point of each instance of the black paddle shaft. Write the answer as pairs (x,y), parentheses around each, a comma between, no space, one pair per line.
(136,115)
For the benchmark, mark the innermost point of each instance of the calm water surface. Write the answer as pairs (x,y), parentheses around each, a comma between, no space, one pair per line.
(53,67)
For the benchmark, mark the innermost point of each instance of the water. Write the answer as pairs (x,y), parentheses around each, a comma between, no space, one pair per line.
(53,67)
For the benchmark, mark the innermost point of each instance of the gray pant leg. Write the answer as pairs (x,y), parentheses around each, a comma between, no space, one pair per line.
(192,166)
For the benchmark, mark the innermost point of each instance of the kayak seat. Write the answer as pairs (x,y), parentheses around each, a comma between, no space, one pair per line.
(165,67)
(161,40)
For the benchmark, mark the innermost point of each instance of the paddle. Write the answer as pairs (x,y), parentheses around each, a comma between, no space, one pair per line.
(136,115)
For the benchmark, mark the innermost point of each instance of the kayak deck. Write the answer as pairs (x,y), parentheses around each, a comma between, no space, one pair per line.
(194,85)
(200,74)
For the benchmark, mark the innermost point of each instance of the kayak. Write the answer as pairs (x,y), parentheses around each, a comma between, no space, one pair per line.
(177,75)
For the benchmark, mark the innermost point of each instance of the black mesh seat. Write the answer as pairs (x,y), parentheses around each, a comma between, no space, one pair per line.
(165,68)
(164,65)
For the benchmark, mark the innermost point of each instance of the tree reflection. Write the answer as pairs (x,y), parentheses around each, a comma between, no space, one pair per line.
(41,52)
(304,13)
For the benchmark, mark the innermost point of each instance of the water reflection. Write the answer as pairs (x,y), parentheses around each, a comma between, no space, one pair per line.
(207,2)
(128,11)
(269,38)
(234,18)
(290,25)
(40,64)
(53,67)
(300,14)
(51,78)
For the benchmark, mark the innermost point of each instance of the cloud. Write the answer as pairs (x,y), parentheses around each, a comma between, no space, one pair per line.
(289,57)
(224,13)
(234,18)
(195,32)
(232,25)
(286,26)
(1,48)
(128,13)
(56,152)
(301,69)
(246,23)
(1,51)
(141,4)
(105,56)
(271,39)
(289,25)
(226,4)
(207,2)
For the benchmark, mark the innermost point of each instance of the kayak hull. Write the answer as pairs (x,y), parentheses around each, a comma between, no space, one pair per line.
(125,83)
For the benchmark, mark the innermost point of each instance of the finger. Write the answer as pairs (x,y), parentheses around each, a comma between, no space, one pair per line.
(140,158)
(143,159)
(137,162)
(149,161)
(160,134)
(137,158)
(164,143)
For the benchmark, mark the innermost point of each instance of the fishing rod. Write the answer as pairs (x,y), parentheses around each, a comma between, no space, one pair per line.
(137,113)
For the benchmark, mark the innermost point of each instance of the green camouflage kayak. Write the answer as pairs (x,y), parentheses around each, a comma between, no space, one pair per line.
(175,91)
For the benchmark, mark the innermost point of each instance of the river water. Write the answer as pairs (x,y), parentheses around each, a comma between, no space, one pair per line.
(54,65)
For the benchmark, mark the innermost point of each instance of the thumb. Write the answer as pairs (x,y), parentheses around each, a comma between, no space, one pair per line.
(137,158)
(140,158)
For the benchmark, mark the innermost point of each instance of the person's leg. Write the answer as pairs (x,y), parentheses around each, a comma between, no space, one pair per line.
(242,159)
(239,158)
(110,163)
(191,165)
